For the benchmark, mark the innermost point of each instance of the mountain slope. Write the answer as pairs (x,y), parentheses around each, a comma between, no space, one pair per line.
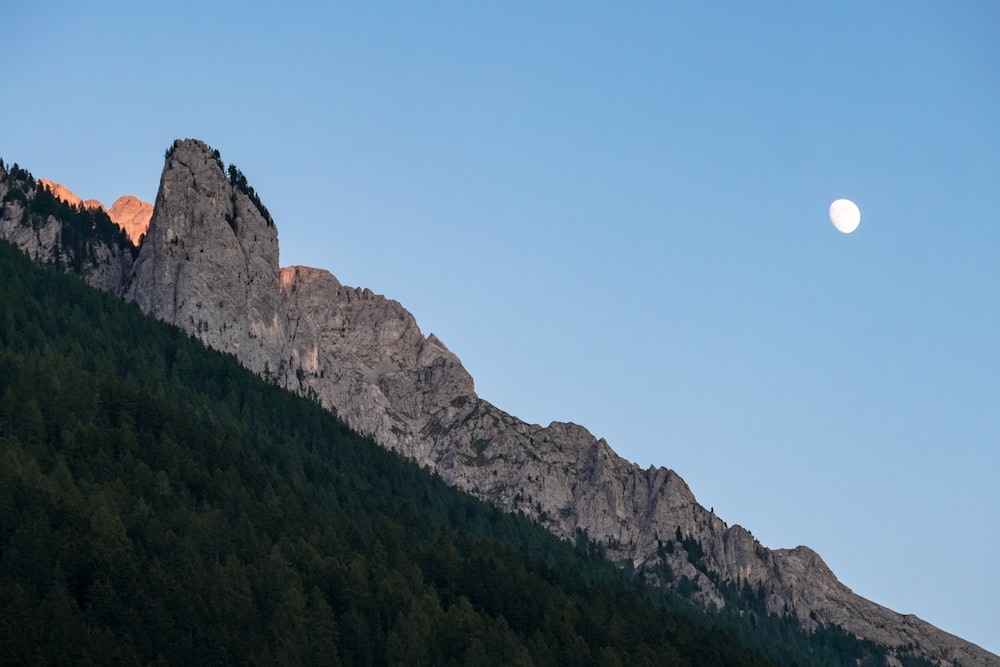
(209,265)
(128,212)
(68,234)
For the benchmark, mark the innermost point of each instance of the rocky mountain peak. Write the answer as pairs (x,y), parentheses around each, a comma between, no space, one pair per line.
(68,196)
(209,260)
(128,212)
(132,215)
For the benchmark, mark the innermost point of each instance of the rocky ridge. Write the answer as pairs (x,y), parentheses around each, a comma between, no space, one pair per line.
(209,264)
(68,196)
(128,212)
(42,231)
(132,215)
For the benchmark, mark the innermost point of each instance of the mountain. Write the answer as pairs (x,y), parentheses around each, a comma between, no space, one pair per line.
(132,215)
(209,260)
(68,196)
(128,212)
(49,229)
(209,264)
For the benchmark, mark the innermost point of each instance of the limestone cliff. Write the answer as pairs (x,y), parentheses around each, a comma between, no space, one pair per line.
(364,356)
(209,260)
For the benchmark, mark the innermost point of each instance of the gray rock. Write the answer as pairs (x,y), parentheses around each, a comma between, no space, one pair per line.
(106,267)
(209,261)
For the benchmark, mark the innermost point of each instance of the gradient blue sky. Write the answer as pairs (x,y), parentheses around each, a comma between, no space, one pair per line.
(616,215)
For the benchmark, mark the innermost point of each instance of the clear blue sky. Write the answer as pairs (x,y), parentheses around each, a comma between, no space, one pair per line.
(616,215)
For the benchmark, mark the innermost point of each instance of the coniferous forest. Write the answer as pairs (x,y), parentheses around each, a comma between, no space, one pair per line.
(161,505)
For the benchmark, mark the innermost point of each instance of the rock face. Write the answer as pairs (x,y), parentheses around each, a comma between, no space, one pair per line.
(209,264)
(364,356)
(128,212)
(209,261)
(132,215)
(103,261)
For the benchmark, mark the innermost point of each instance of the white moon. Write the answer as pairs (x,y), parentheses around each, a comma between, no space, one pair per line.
(845,215)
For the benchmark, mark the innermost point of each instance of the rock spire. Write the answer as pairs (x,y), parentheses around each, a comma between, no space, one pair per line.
(209,260)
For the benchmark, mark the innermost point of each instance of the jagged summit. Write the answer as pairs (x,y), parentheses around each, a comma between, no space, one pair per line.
(209,261)
(131,214)
(209,264)
(128,212)
(68,196)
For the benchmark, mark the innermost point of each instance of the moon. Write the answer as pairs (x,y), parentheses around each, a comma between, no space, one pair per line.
(845,215)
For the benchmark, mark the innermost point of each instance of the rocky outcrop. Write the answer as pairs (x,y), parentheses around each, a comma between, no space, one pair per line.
(209,261)
(132,215)
(68,196)
(38,239)
(209,264)
(357,352)
(104,262)
(128,212)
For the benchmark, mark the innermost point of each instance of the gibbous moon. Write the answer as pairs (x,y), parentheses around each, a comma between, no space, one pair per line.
(845,215)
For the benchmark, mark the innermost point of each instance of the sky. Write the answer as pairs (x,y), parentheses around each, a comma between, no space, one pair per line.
(616,214)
